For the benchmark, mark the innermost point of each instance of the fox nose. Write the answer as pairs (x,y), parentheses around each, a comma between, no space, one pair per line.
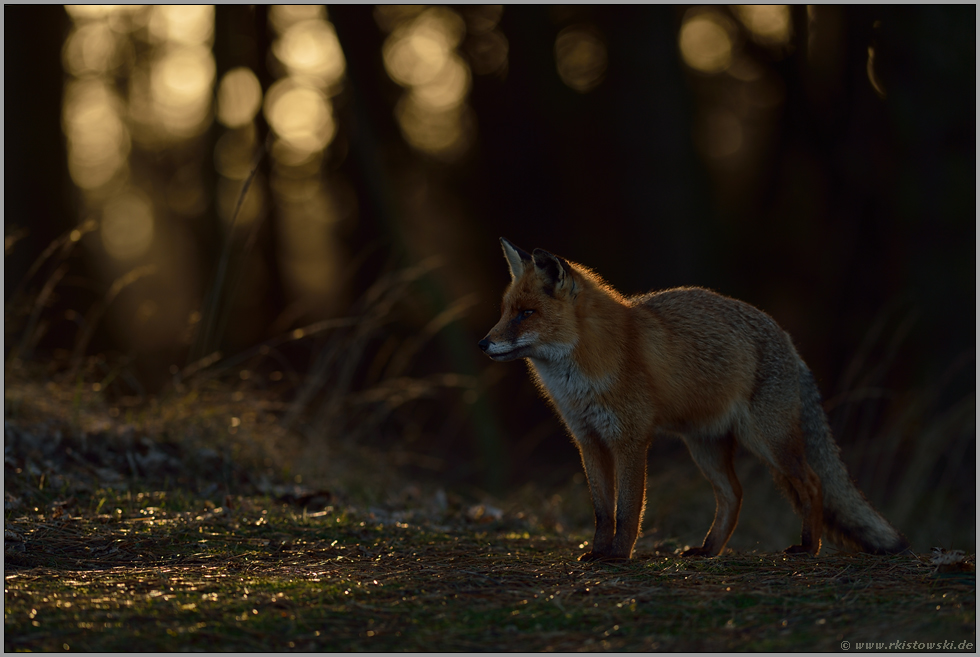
(484,344)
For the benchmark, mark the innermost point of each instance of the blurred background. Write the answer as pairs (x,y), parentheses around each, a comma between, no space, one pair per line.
(305,202)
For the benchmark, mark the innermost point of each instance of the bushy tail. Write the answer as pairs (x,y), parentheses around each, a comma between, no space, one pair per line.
(849,519)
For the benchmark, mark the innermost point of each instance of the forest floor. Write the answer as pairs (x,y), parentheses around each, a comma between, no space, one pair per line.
(164,573)
(114,540)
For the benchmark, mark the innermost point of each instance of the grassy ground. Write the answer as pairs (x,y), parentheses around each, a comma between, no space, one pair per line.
(164,572)
(174,525)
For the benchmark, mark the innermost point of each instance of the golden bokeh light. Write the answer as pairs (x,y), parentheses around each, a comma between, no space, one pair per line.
(706,40)
(121,18)
(444,134)
(142,113)
(89,12)
(239,97)
(767,24)
(183,76)
(443,21)
(448,89)
(416,52)
(298,105)
(414,58)
(581,58)
(281,17)
(185,24)
(126,19)
(127,225)
(180,87)
(300,115)
(389,17)
(90,49)
(288,156)
(420,54)
(144,75)
(310,48)
(98,140)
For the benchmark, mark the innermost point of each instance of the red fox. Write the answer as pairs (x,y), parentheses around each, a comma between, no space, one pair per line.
(684,361)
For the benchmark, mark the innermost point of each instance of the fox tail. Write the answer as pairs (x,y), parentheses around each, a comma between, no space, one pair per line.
(849,519)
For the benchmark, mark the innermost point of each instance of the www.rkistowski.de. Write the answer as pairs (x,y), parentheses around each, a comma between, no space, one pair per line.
(908,645)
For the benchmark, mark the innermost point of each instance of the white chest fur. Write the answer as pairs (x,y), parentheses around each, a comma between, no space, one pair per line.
(578,398)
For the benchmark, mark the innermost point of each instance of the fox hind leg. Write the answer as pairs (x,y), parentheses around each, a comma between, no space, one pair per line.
(716,459)
(802,486)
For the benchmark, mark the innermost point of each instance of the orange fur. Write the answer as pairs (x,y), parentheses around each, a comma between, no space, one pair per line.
(687,361)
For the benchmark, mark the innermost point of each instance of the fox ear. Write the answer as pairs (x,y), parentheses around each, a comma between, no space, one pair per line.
(555,272)
(517,258)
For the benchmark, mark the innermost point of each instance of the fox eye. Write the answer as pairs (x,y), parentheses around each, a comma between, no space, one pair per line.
(526,313)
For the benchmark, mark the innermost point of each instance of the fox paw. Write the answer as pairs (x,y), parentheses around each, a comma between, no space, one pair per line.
(697,552)
(601,556)
(799,549)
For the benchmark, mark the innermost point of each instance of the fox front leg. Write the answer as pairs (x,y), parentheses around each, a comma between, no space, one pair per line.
(631,488)
(599,466)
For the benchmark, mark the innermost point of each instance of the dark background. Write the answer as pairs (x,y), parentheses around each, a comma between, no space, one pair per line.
(852,223)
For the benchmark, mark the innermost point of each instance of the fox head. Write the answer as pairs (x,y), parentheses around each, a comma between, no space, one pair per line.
(537,315)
